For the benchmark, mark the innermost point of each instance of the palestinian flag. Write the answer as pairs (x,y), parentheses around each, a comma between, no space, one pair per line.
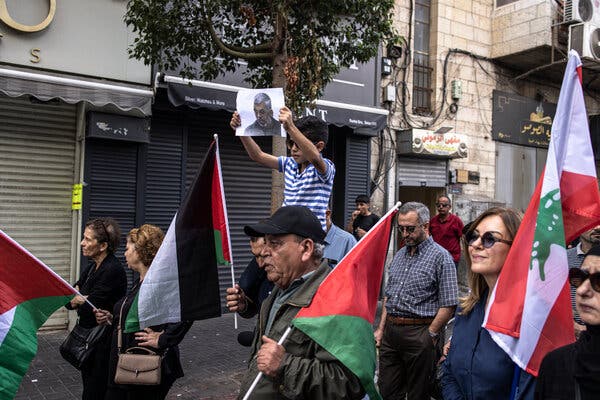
(29,293)
(182,283)
(341,314)
(530,310)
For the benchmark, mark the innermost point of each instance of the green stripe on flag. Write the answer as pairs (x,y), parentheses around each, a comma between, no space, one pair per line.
(132,320)
(219,248)
(20,343)
(549,230)
(350,340)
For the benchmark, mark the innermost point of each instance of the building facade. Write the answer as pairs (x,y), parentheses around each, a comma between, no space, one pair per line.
(484,75)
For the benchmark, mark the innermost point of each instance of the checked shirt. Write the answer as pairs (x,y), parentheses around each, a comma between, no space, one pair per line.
(420,284)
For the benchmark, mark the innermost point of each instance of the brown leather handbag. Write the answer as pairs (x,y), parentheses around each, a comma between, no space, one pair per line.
(136,365)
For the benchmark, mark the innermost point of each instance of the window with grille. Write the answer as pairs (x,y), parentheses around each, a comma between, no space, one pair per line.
(421,69)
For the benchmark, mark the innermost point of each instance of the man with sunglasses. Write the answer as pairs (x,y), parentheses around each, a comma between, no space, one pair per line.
(446,228)
(300,368)
(575,256)
(420,298)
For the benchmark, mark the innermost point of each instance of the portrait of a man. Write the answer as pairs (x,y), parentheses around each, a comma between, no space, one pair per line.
(265,124)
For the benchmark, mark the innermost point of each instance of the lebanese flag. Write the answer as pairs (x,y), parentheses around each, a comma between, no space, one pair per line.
(530,313)
(29,293)
(341,314)
(182,283)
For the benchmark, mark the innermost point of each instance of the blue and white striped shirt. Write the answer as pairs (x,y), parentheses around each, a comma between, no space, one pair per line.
(309,188)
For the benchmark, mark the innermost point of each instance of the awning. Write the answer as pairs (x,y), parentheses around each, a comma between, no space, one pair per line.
(45,87)
(200,94)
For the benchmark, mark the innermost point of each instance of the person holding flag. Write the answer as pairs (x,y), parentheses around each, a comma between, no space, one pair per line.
(301,368)
(476,367)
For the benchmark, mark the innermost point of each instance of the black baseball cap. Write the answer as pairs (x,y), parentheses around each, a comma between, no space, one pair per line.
(298,220)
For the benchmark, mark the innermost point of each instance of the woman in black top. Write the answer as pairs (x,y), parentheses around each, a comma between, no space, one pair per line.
(142,246)
(102,283)
(572,372)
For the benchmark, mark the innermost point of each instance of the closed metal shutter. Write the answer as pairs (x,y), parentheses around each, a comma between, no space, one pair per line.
(164,170)
(37,147)
(247,184)
(357,171)
(111,176)
(421,172)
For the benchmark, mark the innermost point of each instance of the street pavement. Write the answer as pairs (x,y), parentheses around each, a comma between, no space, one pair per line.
(213,361)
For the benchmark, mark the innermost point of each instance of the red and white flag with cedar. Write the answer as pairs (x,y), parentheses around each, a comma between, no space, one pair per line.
(530,313)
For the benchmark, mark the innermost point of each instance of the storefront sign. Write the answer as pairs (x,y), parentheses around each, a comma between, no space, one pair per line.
(8,19)
(118,127)
(521,120)
(425,142)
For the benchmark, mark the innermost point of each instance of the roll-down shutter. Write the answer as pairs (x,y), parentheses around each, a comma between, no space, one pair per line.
(422,172)
(357,171)
(37,152)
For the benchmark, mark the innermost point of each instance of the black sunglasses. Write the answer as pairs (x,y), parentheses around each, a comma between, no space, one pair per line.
(442,205)
(578,276)
(290,144)
(409,229)
(487,239)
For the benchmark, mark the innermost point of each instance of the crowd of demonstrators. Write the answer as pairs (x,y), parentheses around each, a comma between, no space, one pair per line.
(293,261)
(308,176)
(102,283)
(362,219)
(575,256)
(446,228)
(142,246)
(572,372)
(476,367)
(420,298)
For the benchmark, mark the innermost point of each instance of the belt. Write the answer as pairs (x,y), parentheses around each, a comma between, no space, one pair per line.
(408,321)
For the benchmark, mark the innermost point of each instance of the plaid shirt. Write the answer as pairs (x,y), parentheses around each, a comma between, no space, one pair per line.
(420,284)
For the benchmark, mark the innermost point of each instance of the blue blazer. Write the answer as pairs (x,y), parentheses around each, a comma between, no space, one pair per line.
(476,368)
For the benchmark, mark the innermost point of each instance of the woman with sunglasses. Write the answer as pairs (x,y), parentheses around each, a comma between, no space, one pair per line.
(572,372)
(476,367)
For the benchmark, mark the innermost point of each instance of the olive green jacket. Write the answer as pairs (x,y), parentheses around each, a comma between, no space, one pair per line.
(308,371)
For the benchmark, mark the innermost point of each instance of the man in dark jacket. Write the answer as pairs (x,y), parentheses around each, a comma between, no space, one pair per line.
(300,368)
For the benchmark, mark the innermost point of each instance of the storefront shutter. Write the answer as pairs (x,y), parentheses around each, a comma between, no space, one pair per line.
(111,175)
(37,148)
(421,172)
(357,171)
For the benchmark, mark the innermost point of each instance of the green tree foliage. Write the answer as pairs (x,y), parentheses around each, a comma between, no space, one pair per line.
(299,45)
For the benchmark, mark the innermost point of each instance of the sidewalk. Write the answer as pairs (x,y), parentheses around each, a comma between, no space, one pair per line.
(212,360)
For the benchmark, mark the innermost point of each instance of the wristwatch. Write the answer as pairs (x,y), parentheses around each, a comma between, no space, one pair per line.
(433,335)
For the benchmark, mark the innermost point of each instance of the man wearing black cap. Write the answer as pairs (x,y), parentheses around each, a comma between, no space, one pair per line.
(299,368)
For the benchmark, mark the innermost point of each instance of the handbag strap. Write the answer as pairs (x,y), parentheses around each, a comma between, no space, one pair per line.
(141,349)
(119,330)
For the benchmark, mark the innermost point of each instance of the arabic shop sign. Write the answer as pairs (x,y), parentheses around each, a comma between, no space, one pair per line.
(428,143)
(521,120)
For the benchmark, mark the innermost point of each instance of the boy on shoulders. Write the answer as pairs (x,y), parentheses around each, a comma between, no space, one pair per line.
(308,176)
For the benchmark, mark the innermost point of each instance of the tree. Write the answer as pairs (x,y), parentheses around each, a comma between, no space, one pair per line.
(299,45)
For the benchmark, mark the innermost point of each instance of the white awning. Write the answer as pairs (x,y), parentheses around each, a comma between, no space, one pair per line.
(45,87)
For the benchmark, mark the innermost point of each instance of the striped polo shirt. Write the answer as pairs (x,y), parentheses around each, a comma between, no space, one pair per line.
(309,188)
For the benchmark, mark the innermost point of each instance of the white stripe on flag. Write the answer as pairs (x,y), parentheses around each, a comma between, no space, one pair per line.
(160,291)
(6,321)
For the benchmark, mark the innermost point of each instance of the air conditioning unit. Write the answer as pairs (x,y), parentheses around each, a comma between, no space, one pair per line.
(581,11)
(585,39)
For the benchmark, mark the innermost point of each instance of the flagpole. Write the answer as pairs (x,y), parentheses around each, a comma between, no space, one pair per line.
(260,374)
(43,265)
(216,138)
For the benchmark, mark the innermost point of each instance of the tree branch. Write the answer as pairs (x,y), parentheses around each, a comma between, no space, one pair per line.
(254,52)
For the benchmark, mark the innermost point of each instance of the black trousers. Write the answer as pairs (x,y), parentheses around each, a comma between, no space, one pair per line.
(94,372)
(407,356)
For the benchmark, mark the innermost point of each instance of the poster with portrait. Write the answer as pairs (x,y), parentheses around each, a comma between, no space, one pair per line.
(259,112)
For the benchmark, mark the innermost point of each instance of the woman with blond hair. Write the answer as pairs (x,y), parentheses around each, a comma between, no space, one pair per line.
(476,367)
(142,245)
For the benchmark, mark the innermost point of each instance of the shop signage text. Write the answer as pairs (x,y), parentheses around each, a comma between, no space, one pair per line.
(8,20)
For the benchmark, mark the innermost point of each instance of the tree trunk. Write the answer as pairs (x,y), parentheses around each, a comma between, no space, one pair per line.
(279,80)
